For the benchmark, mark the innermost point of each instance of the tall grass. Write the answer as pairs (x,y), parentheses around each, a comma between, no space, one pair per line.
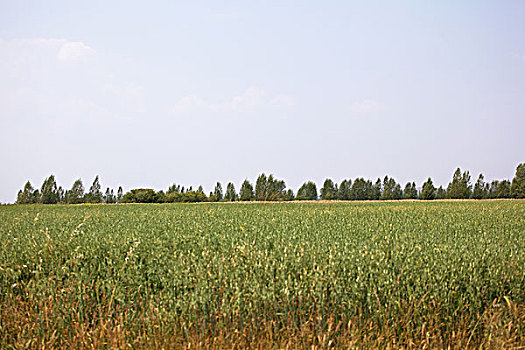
(406,274)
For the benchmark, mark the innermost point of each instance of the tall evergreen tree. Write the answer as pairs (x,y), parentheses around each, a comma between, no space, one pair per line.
(49,191)
(517,188)
(428,191)
(230,194)
(246,193)
(200,190)
(329,190)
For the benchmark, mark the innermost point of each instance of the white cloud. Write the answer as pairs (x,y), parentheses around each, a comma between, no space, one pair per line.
(252,99)
(187,104)
(73,51)
(366,107)
(283,100)
(37,85)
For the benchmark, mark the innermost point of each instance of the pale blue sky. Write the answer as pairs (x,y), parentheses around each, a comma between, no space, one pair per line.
(150,94)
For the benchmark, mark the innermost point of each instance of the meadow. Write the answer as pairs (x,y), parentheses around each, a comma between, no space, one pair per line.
(400,274)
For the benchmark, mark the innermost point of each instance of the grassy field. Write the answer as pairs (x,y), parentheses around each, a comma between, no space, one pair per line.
(267,275)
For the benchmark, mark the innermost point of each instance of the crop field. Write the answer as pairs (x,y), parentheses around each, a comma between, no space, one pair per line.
(264,275)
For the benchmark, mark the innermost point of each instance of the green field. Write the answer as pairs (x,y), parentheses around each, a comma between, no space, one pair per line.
(399,274)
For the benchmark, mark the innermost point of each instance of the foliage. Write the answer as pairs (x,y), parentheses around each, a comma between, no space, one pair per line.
(269,188)
(344,191)
(246,193)
(95,194)
(410,191)
(481,189)
(428,191)
(217,192)
(499,189)
(28,195)
(517,188)
(230,195)
(308,191)
(76,194)
(459,187)
(140,195)
(48,191)
(329,190)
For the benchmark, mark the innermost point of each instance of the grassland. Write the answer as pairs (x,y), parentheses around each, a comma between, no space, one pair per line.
(372,274)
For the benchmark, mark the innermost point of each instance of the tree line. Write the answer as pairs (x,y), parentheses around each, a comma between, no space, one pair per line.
(269,188)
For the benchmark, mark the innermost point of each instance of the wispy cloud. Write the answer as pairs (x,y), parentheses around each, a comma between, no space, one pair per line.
(366,107)
(82,88)
(72,51)
(247,101)
(251,99)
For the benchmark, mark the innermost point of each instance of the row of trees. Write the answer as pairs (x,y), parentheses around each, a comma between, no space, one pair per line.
(50,193)
(269,188)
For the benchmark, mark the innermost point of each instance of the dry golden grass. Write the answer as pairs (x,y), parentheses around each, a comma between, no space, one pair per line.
(42,325)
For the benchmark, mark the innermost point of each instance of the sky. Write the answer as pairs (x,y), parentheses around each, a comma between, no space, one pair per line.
(147,94)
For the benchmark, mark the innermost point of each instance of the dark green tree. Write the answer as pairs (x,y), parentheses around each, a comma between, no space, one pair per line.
(359,190)
(61,195)
(230,195)
(459,187)
(308,191)
(246,193)
(343,193)
(200,190)
(109,197)
(441,193)
(428,191)
(410,191)
(95,194)
(376,190)
(391,189)
(76,194)
(49,191)
(28,195)
(329,190)
(480,189)
(120,194)
(217,192)
(140,195)
(517,188)
(269,188)
(289,196)
(261,188)
(499,189)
